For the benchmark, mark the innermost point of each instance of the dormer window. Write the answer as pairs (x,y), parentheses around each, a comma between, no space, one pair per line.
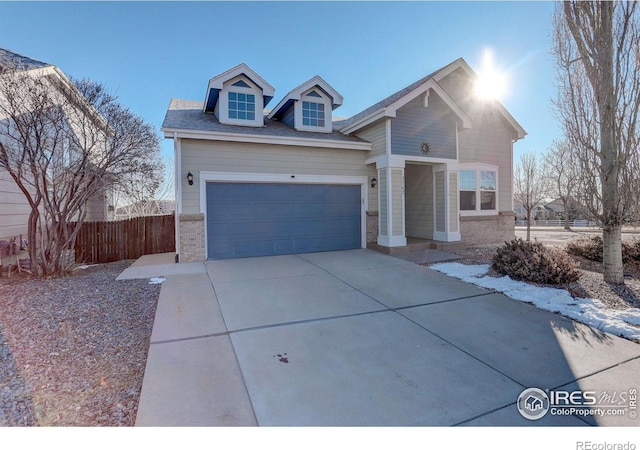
(309,106)
(238,97)
(242,106)
(313,114)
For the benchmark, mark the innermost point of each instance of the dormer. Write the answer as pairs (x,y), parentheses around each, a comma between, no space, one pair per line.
(238,97)
(308,107)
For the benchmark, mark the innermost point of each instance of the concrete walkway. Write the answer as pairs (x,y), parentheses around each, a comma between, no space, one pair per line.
(358,338)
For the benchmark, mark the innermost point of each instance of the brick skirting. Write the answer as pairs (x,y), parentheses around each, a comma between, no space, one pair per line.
(191,237)
(479,230)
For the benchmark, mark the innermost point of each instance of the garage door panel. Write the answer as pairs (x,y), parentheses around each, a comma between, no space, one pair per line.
(253,219)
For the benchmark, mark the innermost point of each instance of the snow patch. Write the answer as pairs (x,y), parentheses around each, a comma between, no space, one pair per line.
(589,311)
(156,280)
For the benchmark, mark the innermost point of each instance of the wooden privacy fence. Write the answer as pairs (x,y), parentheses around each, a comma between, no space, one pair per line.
(103,242)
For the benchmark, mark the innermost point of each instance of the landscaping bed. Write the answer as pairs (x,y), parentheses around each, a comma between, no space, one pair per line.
(590,285)
(73,349)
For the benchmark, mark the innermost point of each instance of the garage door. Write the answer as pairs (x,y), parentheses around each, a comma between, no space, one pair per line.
(259,219)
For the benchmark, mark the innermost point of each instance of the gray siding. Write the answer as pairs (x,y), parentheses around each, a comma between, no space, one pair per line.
(489,140)
(419,201)
(397,179)
(377,135)
(372,192)
(14,208)
(491,144)
(382,213)
(415,124)
(453,202)
(440,199)
(200,155)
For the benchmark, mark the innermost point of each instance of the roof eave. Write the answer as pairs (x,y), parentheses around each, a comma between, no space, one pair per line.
(261,139)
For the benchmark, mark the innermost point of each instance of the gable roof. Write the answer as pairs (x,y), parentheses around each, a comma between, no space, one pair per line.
(296,93)
(216,84)
(388,106)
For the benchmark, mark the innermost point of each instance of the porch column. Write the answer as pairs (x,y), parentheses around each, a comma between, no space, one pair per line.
(391,221)
(446,204)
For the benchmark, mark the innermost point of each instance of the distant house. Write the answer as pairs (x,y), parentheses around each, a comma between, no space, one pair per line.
(552,209)
(431,161)
(14,209)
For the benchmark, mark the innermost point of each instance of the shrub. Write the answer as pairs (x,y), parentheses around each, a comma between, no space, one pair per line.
(588,247)
(533,262)
(592,248)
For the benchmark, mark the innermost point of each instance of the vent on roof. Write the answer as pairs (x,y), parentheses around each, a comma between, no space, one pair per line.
(313,94)
(241,83)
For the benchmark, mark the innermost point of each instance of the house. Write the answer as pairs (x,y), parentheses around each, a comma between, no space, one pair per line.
(431,161)
(14,208)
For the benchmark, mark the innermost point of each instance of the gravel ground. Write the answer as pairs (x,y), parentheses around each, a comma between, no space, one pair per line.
(73,349)
(590,285)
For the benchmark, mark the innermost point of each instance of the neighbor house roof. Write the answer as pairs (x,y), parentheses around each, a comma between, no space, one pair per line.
(9,59)
(187,116)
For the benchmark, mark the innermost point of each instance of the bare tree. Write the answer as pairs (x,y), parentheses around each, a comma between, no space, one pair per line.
(529,185)
(596,48)
(63,142)
(561,170)
(139,195)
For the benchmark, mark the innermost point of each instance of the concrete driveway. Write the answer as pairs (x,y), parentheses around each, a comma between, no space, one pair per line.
(357,338)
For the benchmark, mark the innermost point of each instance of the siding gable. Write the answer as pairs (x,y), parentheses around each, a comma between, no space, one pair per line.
(415,124)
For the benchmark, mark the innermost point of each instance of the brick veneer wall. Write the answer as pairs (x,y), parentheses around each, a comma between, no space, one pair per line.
(192,237)
(481,230)
(372,226)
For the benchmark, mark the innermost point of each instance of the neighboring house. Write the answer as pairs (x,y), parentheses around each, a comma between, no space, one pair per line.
(431,161)
(14,209)
(552,209)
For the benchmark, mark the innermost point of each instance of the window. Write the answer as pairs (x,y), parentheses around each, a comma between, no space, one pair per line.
(313,114)
(478,190)
(242,106)
(487,190)
(467,190)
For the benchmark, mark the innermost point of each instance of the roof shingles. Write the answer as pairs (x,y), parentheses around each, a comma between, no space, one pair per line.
(188,115)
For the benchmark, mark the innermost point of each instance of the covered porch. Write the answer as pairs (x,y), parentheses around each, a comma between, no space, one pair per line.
(418,207)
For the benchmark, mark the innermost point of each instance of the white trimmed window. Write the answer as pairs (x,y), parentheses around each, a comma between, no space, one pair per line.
(240,103)
(478,189)
(313,112)
(242,106)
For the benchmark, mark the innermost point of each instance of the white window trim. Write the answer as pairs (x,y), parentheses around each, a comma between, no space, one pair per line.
(237,177)
(223,101)
(324,100)
(479,167)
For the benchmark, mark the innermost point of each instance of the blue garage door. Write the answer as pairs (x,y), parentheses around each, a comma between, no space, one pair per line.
(257,219)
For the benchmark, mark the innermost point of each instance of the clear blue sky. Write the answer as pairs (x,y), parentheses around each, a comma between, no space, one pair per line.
(149,52)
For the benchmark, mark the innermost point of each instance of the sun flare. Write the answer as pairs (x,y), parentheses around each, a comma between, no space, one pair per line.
(491,83)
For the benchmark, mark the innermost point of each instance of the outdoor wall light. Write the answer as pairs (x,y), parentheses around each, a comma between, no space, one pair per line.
(374,182)
(190,178)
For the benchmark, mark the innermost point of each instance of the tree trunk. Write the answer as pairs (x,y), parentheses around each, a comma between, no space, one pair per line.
(528,225)
(565,204)
(612,254)
(611,218)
